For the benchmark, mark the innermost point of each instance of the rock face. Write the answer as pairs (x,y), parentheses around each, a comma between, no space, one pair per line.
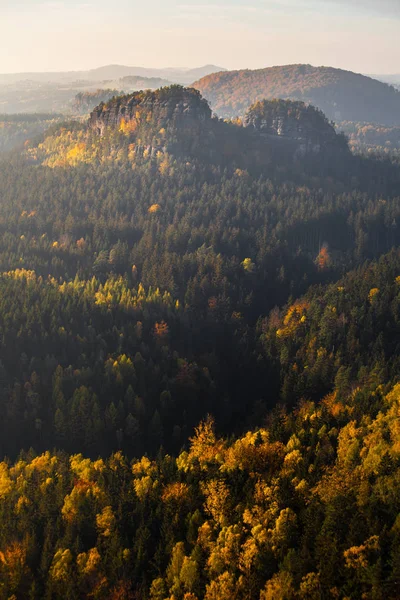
(174,107)
(295,123)
(178,121)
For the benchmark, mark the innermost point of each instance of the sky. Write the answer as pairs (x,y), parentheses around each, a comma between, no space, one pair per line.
(359,35)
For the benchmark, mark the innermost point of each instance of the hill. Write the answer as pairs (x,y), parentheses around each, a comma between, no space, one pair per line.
(84,102)
(111,72)
(175,75)
(341,95)
(177,121)
(295,122)
(166,107)
(16,129)
(135,83)
(372,138)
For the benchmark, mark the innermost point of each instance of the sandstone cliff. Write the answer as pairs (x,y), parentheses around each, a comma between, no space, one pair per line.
(169,108)
(178,121)
(295,123)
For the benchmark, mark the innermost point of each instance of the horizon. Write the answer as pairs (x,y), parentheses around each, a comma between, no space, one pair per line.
(191,68)
(111,65)
(266,33)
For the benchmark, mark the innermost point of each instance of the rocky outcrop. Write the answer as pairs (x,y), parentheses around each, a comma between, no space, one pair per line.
(173,107)
(178,121)
(299,125)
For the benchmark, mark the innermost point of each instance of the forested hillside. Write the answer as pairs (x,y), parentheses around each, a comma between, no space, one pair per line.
(199,358)
(341,95)
(15,130)
(85,102)
(369,138)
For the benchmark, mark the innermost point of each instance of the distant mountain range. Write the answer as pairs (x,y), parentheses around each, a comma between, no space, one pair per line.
(341,95)
(392,79)
(111,73)
(55,92)
(143,83)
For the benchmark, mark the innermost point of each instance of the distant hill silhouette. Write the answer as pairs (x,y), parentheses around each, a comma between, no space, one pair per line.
(393,79)
(113,72)
(55,91)
(136,83)
(341,95)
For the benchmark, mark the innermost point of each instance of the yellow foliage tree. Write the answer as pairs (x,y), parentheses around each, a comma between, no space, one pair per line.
(217,503)
(61,567)
(373,294)
(205,447)
(88,562)
(105,521)
(358,557)
(128,127)
(222,588)
(280,587)
(248,265)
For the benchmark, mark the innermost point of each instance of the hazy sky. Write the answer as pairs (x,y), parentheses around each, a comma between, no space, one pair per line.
(361,35)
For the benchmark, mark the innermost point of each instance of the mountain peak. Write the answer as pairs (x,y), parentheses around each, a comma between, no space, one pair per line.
(295,122)
(169,106)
